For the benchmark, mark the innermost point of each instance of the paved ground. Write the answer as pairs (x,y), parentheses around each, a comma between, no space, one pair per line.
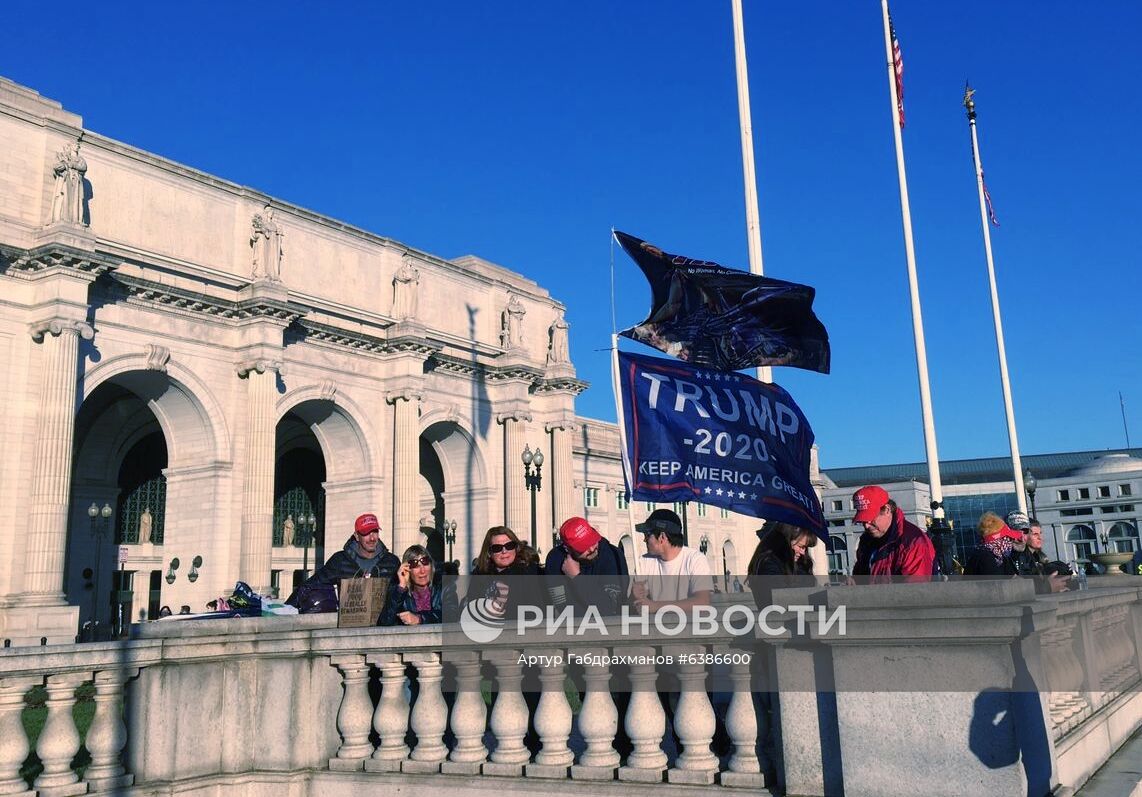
(1121,776)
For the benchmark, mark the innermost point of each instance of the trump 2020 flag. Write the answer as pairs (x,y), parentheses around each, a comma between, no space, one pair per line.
(724,439)
(724,318)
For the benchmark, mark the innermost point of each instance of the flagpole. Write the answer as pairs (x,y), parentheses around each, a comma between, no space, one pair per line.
(617,388)
(752,217)
(913,289)
(984,215)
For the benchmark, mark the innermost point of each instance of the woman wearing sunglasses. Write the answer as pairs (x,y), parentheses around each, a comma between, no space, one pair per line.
(503,559)
(417,597)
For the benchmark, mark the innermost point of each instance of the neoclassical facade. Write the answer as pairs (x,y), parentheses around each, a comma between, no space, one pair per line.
(206,384)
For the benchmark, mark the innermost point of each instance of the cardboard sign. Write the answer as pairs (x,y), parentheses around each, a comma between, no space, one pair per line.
(361,602)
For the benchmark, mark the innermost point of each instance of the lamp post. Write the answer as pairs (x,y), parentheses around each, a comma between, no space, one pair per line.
(943,540)
(532,480)
(99,518)
(1029,484)
(450,536)
(308,525)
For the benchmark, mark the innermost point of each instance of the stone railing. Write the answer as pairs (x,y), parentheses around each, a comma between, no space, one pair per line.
(221,704)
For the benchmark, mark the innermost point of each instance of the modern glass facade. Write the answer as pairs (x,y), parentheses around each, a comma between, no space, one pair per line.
(964,512)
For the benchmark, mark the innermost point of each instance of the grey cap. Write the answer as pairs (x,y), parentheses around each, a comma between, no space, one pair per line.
(1018,521)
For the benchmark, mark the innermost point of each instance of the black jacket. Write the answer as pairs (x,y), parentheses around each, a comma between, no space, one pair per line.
(346,564)
(601,583)
(525,587)
(982,562)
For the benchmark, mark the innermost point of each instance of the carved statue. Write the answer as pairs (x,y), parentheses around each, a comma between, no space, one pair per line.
(557,335)
(266,241)
(511,324)
(288,529)
(405,285)
(146,525)
(67,201)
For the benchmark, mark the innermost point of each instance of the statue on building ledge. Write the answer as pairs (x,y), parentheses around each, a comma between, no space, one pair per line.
(511,324)
(557,353)
(266,241)
(67,200)
(405,286)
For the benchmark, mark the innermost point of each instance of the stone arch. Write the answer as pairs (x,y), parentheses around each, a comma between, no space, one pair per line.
(334,422)
(1122,537)
(453,464)
(1082,539)
(729,564)
(190,416)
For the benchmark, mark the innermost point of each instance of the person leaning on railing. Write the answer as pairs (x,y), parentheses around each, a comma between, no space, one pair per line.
(418,597)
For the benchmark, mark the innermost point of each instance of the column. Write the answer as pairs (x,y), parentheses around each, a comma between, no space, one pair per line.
(13,742)
(469,718)
(429,715)
(517,515)
(561,481)
(354,715)
(406,469)
(390,718)
(552,720)
(51,469)
(59,740)
(258,482)
(107,735)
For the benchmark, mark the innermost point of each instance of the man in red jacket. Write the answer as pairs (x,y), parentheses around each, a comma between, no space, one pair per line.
(891,548)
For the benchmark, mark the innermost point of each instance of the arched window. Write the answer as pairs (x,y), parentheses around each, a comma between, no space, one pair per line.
(837,549)
(1123,537)
(1081,540)
(143,492)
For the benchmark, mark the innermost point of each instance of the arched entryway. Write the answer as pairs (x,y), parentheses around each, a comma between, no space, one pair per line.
(454,488)
(142,437)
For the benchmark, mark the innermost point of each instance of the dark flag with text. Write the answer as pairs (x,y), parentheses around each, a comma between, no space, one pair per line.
(724,318)
(723,439)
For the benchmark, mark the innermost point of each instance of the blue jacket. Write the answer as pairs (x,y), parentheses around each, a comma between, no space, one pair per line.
(601,583)
(400,600)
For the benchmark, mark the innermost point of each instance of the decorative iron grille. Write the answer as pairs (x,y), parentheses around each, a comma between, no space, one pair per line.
(142,513)
(290,507)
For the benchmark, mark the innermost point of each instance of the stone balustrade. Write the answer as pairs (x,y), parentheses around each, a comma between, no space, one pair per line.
(214,705)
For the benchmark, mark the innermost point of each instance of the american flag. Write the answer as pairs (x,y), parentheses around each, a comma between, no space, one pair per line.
(898,68)
(987,199)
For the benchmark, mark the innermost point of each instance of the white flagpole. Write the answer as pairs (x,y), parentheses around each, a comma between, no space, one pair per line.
(617,388)
(913,289)
(1016,465)
(752,217)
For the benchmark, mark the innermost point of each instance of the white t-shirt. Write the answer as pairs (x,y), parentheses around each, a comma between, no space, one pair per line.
(678,579)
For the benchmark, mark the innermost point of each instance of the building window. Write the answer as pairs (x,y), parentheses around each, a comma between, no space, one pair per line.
(621,501)
(838,506)
(701,510)
(725,513)
(1104,491)
(591,497)
(649,506)
(1064,495)
(1084,493)
(1086,510)
(840,524)
(679,508)
(1124,489)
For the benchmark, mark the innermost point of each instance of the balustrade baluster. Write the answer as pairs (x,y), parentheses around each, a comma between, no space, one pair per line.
(353,715)
(598,722)
(390,720)
(645,721)
(107,735)
(469,718)
(509,716)
(552,720)
(59,740)
(429,715)
(14,745)
(742,726)
(694,724)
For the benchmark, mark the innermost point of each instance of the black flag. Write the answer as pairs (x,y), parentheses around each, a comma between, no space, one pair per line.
(723,318)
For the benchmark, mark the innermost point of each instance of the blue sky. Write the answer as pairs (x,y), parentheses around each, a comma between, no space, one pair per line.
(523,131)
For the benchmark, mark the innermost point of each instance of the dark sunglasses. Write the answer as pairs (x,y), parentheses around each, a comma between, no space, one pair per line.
(423,561)
(507,546)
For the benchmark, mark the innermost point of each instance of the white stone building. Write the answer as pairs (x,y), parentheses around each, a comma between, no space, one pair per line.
(220,377)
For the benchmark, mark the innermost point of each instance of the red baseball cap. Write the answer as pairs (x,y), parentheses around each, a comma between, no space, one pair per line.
(578,535)
(366,523)
(867,501)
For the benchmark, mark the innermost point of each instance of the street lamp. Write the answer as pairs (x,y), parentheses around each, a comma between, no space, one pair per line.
(1029,484)
(450,536)
(99,518)
(532,481)
(308,525)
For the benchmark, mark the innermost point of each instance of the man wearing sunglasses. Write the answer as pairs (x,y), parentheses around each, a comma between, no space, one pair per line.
(364,556)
